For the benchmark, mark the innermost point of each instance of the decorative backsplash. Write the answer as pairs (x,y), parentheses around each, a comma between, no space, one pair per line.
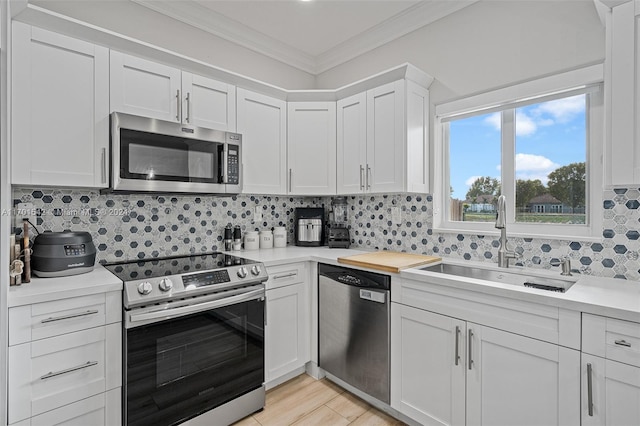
(130,226)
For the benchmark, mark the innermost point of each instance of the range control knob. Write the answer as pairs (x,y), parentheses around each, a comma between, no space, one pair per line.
(166,284)
(242,272)
(255,270)
(145,287)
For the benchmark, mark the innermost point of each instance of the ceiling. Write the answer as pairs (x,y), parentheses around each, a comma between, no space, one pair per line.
(313,36)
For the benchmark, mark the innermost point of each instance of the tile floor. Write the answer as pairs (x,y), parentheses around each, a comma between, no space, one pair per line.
(309,402)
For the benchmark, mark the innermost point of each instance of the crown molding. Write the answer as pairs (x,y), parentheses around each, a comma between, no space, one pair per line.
(196,15)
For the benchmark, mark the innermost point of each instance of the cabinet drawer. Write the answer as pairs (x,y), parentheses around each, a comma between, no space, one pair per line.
(49,373)
(282,275)
(611,338)
(49,319)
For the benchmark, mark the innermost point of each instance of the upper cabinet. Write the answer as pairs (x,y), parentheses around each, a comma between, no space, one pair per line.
(60,110)
(623,135)
(154,90)
(382,140)
(312,148)
(262,121)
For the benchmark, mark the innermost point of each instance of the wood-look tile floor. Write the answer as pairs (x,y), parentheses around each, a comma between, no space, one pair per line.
(310,402)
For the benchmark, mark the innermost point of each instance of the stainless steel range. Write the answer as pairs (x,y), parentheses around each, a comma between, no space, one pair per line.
(193,339)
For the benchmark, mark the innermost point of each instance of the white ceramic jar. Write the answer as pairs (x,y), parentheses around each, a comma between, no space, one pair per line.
(266,239)
(279,236)
(251,240)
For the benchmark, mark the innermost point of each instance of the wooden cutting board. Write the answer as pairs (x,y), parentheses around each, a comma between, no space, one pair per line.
(390,261)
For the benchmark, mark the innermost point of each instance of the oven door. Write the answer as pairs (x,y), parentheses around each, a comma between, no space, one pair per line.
(181,367)
(155,155)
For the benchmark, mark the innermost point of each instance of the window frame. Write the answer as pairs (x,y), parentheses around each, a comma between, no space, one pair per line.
(586,80)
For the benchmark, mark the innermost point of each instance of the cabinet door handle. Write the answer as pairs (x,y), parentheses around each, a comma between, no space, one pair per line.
(104,165)
(470,350)
(361,178)
(290,179)
(623,343)
(64,317)
(590,389)
(368,176)
(178,105)
(188,107)
(457,355)
(291,274)
(68,370)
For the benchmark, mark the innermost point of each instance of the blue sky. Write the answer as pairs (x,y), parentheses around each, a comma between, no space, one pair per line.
(548,135)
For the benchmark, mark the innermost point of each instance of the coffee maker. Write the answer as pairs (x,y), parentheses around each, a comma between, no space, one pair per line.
(339,232)
(309,226)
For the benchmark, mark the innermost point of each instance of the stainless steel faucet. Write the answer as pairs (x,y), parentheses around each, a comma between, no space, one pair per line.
(501,223)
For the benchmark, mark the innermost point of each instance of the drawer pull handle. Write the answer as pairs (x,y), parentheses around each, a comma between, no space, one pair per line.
(290,274)
(69,370)
(589,389)
(623,343)
(457,354)
(470,350)
(64,317)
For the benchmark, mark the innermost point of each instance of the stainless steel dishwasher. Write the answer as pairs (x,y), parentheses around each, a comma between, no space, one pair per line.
(353,328)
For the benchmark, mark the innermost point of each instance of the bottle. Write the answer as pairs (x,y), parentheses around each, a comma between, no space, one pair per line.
(228,238)
(237,238)
(279,236)
(266,239)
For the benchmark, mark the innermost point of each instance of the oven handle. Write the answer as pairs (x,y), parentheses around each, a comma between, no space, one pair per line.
(199,307)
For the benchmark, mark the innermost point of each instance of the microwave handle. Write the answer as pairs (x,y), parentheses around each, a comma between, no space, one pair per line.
(225,163)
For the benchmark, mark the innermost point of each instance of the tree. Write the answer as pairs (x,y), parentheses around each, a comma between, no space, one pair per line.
(484,186)
(567,184)
(528,189)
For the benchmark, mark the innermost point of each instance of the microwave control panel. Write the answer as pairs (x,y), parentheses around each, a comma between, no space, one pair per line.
(233,164)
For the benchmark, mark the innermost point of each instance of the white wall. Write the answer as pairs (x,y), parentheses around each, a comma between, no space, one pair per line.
(133,20)
(488,45)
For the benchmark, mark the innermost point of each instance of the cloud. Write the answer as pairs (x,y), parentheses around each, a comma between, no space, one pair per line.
(471,179)
(562,110)
(494,120)
(531,167)
(525,125)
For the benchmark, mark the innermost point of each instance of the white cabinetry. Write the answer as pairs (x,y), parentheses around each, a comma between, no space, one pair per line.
(312,148)
(65,361)
(262,122)
(610,371)
(470,370)
(623,54)
(287,331)
(154,90)
(60,109)
(382,140)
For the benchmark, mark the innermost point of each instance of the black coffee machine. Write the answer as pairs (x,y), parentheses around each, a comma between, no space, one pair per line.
(309,226)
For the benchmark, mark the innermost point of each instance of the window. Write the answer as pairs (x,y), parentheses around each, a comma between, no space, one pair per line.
(542,150)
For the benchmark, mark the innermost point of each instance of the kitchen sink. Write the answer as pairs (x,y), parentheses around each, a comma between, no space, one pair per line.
(513,278)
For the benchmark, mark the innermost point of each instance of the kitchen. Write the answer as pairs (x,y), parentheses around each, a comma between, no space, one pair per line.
(261,92)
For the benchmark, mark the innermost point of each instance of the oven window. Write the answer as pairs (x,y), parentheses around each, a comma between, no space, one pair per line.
(152,156)
(180,368)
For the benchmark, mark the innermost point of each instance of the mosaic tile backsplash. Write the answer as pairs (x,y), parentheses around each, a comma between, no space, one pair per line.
(130,226)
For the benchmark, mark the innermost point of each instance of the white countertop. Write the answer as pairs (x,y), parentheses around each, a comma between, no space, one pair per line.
(279,256)
(45,289)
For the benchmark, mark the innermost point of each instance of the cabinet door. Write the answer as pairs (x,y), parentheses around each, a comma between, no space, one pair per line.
(145,88)
(60,109)
(262,121)
(287,334)
(352,144)
(614,393)
(385,138)
(417,138)
(516,380)
(312,148)
(427,366)
(208,103)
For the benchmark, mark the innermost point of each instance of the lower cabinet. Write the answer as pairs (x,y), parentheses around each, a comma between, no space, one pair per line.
(287,331)
(446,371)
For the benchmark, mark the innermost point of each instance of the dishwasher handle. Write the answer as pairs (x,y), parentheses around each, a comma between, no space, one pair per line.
(374,296)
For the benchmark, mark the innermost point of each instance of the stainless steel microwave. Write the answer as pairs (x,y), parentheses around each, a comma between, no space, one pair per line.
(150,155)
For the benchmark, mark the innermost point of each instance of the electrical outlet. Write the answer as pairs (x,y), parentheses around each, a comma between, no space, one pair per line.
(25,211)
(396,219)
(257,214)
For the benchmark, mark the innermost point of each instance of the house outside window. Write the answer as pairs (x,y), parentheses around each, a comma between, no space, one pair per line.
(538,143)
